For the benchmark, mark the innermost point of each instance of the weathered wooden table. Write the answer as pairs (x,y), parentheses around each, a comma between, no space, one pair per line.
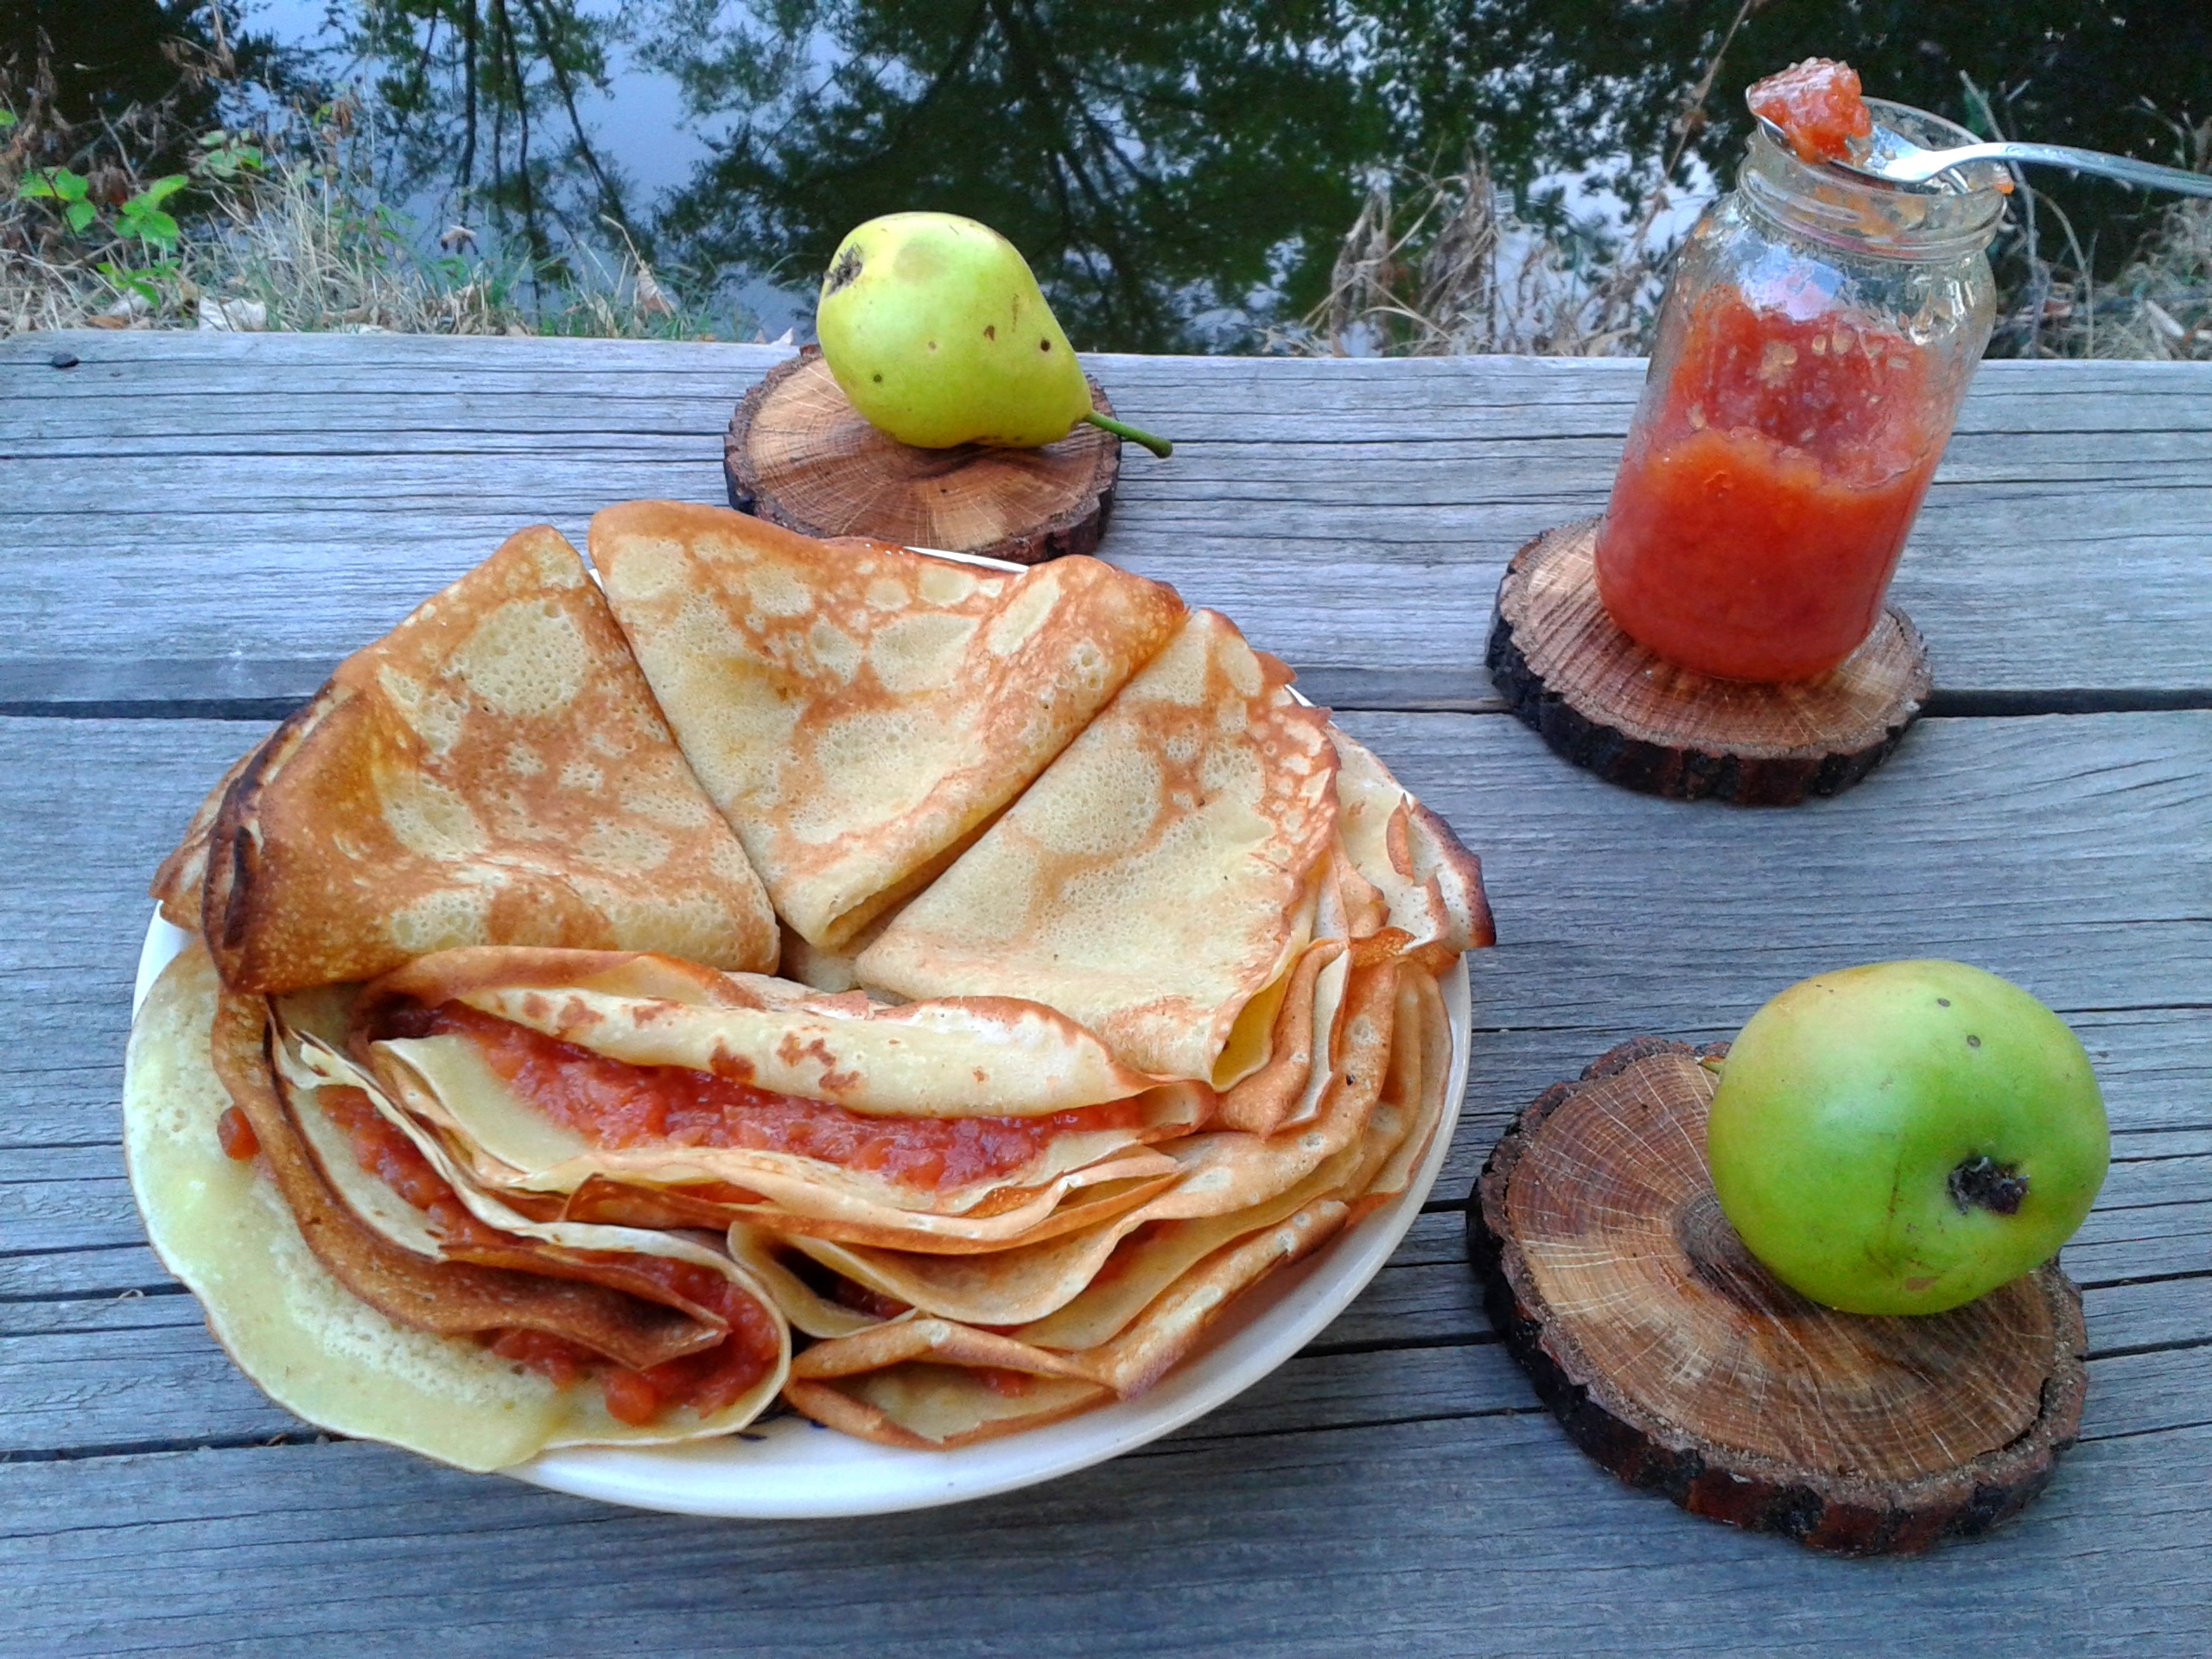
(198,526)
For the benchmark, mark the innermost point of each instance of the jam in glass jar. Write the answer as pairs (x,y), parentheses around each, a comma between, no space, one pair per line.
(1814,345)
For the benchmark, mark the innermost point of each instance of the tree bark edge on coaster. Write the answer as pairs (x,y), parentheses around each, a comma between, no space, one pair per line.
(1607,705)
(798,454)
(2007,1369)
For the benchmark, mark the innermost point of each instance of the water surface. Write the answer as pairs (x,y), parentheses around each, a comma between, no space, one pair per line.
(1181,175)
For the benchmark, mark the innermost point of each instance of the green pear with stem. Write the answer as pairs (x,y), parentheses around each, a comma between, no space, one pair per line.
(935,330)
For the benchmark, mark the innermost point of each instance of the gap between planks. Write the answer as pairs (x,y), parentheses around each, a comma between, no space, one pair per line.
(1354,691)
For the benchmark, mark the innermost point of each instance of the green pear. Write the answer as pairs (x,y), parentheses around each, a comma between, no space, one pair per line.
(934,327)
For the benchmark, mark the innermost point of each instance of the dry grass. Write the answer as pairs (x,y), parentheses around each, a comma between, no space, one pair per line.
(1443,266)
(2160,304)
(1437,267)
(1457,270)
(304,250)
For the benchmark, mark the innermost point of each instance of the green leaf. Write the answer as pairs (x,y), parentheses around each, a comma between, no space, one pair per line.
(79,214)
(160,191)
(136,281)
(148,225)
(7,118)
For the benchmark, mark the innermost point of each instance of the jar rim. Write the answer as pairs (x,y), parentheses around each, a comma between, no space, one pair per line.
(1954,213)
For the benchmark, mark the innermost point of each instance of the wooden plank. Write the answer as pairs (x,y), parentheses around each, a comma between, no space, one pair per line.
(107,799)
(1486,1535)
(335,482)
(2068,854)
(1428,1295)
(2032,795)
(2073,855)
(74,1198)
(86,1377)
(112,364)
(83,1375)
(81,1273)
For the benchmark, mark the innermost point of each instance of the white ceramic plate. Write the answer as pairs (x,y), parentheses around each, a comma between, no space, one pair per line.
(792,1468)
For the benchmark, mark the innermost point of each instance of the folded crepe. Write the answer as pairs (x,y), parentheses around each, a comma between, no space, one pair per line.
(183,874)
(1158,880)
(997,1344)
(857,711)
(493,771)
(1431,885)
(1253,1181)
(1304,1040)
(362,1312)
(545,1072)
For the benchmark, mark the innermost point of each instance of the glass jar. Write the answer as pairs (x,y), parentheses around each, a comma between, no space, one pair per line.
(1814,345)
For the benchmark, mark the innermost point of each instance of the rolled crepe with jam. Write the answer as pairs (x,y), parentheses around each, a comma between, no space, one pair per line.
(619,1082)
(367,1290)
(585,1085)
(1025,1339)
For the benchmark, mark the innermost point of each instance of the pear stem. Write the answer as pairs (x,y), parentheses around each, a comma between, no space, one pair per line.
(1159,447)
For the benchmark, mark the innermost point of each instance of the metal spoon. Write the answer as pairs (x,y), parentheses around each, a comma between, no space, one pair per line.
(1894,159)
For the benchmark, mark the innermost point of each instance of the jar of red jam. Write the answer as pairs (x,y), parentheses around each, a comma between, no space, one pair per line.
(1814,345)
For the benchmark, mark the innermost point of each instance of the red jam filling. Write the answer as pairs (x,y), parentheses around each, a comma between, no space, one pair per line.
(1818,106)
(239,1141)
(615,1104)
(706,1382)
(1760,509)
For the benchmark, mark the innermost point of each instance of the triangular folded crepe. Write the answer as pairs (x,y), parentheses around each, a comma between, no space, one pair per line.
(936,1383)
(1303,1043)
(1157,878)
(493,771)
(857,711)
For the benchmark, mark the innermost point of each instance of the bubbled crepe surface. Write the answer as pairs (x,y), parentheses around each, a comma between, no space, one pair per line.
(495,770)
(1148,883)
(856,710)
(974,1058)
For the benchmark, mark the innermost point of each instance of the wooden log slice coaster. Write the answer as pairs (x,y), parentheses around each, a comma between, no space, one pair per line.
(1681,1363)
(1606,704)
(799,454)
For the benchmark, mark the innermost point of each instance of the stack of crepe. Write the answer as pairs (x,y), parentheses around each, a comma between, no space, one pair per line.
(1110,986)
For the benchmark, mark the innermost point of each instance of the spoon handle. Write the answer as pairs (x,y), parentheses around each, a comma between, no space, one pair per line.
(2127,169)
